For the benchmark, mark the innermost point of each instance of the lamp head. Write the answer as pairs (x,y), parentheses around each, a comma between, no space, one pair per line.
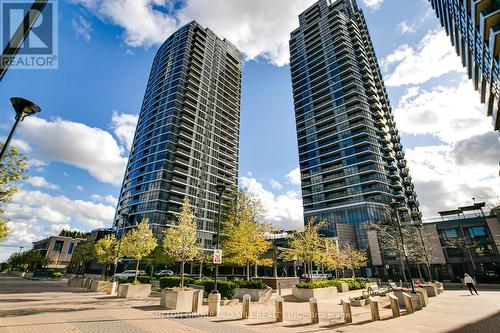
(220,188)
(23,107)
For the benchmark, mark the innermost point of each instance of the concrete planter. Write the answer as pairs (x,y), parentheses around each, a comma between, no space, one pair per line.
(75,282)
(416,300)
(17,273)
(86,282)
(359,302)
(257,295)
(134,291)
(431,290)
(319,293)
(343,287)
(102,286)
(280,282)
(176,299)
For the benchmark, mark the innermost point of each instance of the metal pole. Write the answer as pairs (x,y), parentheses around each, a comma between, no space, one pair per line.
(218,242)
(407,263)
(119,247)
(11,134)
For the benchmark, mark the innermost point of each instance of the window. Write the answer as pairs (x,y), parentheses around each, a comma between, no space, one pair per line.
(477,232)
(449,233)
(70,248)
(484,250)
(58,245)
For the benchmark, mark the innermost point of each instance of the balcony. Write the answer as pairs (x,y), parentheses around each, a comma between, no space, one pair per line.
(407,180)
(400,155)
(405,171)
(397,184)
(402,163)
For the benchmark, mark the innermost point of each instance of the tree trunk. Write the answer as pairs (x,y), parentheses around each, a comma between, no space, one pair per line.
(248,270)
(294,268)
(83,269)
(429,271)
(310,271)
(255,270)
(402,270)
(201,270)
(419,271)
(353,273)
(136,270)
(182,274)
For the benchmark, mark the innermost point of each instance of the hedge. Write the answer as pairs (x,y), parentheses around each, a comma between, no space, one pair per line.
(225,288)
(250,284)
(174,281)
(354,284)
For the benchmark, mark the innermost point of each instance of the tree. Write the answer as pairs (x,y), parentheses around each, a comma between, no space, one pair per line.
(158,258)
(420,247)
(138,243)
(106,250)
(74,233)
(84,253)
(13,168)
(308,245)
(4,231)
(331,257)
(245,236)
(25,260)
(353,258)
(179,241)
(463,247)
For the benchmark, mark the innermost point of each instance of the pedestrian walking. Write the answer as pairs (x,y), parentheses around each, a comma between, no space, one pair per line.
(469,282)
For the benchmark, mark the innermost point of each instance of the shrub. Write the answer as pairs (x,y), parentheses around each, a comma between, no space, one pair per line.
(174,281)
(354,284)
(225,288)
(250,284)
(145,279)
(56,275)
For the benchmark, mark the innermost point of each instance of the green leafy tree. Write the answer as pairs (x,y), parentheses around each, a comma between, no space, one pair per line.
(308,245)
(353,258)
(84,254)
(25,260)
(179,241)
(138,243)
(106,249)
(158,258)
(245,236)
(13,168)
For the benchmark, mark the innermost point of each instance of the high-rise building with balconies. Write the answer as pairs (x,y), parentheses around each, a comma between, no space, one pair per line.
(474,30)
(352,162)
(187,136)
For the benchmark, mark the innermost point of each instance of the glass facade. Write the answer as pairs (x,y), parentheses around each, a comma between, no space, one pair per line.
(352,162)
(474,30)
(187,135)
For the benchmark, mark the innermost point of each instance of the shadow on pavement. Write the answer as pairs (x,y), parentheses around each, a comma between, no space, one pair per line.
(489,324)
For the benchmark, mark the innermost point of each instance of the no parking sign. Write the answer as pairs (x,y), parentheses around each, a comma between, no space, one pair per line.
(217,257)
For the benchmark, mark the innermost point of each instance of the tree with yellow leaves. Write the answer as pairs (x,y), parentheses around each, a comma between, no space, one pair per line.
(332,258)
(308,245)
(353,258)
(245,236)
(106,249)
(138,243)
(179,241)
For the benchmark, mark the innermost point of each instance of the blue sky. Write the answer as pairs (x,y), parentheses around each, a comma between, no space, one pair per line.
(78,145)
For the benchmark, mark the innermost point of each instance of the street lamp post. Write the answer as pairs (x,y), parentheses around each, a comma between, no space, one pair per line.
(123,216)
(23,108)
(220,188)
(407,263)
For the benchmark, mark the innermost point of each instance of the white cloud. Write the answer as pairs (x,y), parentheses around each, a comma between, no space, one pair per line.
(432,58)
(80,188)
(259,28)
(294,176)
(123,126)
(373,4)
(275,184)
(404,27)
(42,182)
(82,27)
(284,211)
(441,183)
(34,206)
(450,113)
(88,148)
(109,199)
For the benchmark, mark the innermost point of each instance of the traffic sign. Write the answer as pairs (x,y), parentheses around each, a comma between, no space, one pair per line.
(217,257)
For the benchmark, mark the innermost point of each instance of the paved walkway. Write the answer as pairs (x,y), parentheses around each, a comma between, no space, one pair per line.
(41,306)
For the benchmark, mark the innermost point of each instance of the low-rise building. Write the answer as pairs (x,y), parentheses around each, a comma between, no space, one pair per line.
(57,250)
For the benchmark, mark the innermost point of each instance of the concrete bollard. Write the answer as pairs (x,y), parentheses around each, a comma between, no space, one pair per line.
(114,289)
(245,314)
(313,306)
(279,309)
(424,299)
(214,304)
(408,303)
(374,309)
(394,306)
(197,300)
(346,307)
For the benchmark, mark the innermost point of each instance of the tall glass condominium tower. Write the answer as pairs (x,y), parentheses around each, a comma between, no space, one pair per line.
(352,162)
(474,30)
(187,136)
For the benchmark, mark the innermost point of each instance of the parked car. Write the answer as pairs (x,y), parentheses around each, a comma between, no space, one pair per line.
(128,274)
(164,272)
